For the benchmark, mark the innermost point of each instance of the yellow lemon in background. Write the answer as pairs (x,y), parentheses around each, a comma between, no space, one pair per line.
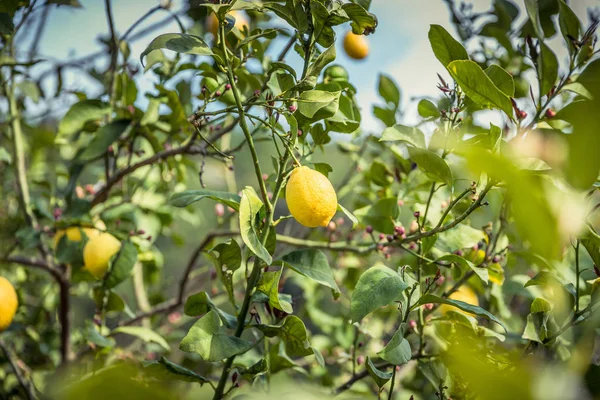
(212,23)
(476,256)
(310,197)
(8,303)
(356,46)
(97,253)
(74,234)
(464,293)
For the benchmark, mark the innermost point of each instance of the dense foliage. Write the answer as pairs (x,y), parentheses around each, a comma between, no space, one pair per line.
(462,261)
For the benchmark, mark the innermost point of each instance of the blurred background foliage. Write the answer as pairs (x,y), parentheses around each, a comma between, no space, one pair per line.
(516,201)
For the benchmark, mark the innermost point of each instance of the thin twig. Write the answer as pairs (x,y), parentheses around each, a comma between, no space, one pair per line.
(27,386)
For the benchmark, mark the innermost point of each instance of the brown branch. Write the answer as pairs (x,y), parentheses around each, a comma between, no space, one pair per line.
(102,194)
(34,263)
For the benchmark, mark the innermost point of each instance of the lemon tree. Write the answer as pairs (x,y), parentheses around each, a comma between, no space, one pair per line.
(216,220)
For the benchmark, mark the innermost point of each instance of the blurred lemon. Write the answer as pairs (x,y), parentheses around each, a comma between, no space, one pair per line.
(476,256)
(356,46)
(310,197)
(8,303)
(212,23)
(97,253)
(464,293)
(73,233)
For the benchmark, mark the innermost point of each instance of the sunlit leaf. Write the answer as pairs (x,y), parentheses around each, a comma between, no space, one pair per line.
(377,287)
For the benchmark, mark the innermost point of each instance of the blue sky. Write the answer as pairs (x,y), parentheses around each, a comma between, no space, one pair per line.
(399,47)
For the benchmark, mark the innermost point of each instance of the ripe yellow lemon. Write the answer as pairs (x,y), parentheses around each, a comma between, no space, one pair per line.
(74,234)
(8,303)
(464,293)
(356,46)
(212,23)
(310,197)
(97,253)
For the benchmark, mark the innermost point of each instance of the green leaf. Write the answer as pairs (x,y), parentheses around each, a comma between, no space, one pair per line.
(427,109)
(180,43)
(5,156)
(122,266)
(432,164)
(569,25)
(316,104)
(200,303)
(466,264)
(388,90)
(461,237)
(377,287)
(380,215)
(380,377)
(102,139)
(207,338)
(495,137)
(114,303)
(445,47)
(579,89)
(348,214)
(347,117)
(461,305)
(362,20)
(313,264)
(591,241)
(81,113)
(293,333)
(259,368)
(478,86)
(314,70)
(269,285)
(93,336)
(292,12)
(166,370)
(534,16)
(227,258)
(228,254)
(547,68)
(387,116)
(270,33)
(403,133)
(250,206)
(397,351)
(145,334)
(187,197)
(502,79)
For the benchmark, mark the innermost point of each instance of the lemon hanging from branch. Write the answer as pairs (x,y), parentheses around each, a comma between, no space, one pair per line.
(310,197)
(356,46)
(8,303)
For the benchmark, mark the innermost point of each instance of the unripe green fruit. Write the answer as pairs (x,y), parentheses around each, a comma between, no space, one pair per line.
(335,73)
(210,83)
